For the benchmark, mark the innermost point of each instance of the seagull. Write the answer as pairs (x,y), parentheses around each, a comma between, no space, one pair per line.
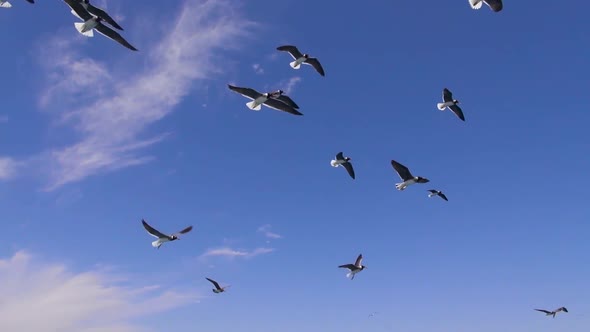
(161,238)
(495,5)
(437,193)
(6,4)
(451,104)
(92,23)
(217,289)
(372,314)
(406,176)
(98,12)
(258,99)
(344,162)
(354,268)
(302,58)
(281,96)
(552,313)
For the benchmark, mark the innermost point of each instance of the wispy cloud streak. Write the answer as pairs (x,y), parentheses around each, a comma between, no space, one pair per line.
(265,229)
(118,107)
(233,253)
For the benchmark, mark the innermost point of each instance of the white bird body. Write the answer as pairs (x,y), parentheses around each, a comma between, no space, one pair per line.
(159,242)
(476,4)
(432,194)
(336,163)
(442,106)
(5,4)
(297,63)
(86,28)
(256,104)
(405,184)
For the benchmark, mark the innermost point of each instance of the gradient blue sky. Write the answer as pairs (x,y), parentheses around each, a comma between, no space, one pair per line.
(94,137)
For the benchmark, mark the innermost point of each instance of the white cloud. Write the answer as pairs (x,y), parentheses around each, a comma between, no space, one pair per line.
(45,297)
(258,69)
(232,253)
(291,83)
(265,229)
(8,168)
(117,107)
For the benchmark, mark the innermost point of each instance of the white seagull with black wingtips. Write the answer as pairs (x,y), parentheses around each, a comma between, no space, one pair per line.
(302,59)
(406,176)
(92,23)
(354,268)
(97,12)
(495,5)
(218,289)
(259,99)
(451,103)
(344,162)
(437,193)
(161,237)
(6,4)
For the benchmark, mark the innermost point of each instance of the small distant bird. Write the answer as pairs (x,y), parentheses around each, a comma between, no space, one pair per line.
(282,97)
(259,99)
(552,313)
(98,12)
(302,58)
(406,176)
(372,314)
(217,289)
(6,4)
(437,193)
(161,237)
(451,103)
(344,162)
(495,5)
(92,23)
(354,268)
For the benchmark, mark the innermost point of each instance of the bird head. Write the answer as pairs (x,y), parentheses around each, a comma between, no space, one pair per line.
(455,101)
(306,55)
(174,237)
(348,159)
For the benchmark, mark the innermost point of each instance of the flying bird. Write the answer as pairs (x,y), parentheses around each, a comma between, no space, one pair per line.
(98,13)
(552,313)
(6,4)
(217,289)
(161,237)
(451,103)
(282,97)
(495,5)
(259,99)
(406,176)
(344,162)
(354,268)
(302,58)
(437,193)
(92,23)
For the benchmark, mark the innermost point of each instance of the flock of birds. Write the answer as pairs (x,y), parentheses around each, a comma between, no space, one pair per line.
(92,19)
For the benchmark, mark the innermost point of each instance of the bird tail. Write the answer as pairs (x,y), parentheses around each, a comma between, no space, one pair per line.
(5,5)
(441,106)
(80,27)
(431,194)
(295,65)
(333,163)
(399,186)
(156,244)
(475,4)
(251,105)
(349,274)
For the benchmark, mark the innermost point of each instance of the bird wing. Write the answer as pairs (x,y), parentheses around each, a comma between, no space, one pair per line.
(287,100)
(545,311)
(102,14)
(359,260)
(348,266)
(495,5)
(349,169)
(443,196)
(112,34)
(153,232)
(31,1)
(82,13)
(340,156)
(433,191)
(278,105)
(402,171)
(184,231)
(214,283)
(316,64)
(447,95)
(458,111)
(561,309)
(292,50)
(246,92)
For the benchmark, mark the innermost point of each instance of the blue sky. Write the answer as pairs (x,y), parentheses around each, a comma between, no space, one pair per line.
(93,138)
